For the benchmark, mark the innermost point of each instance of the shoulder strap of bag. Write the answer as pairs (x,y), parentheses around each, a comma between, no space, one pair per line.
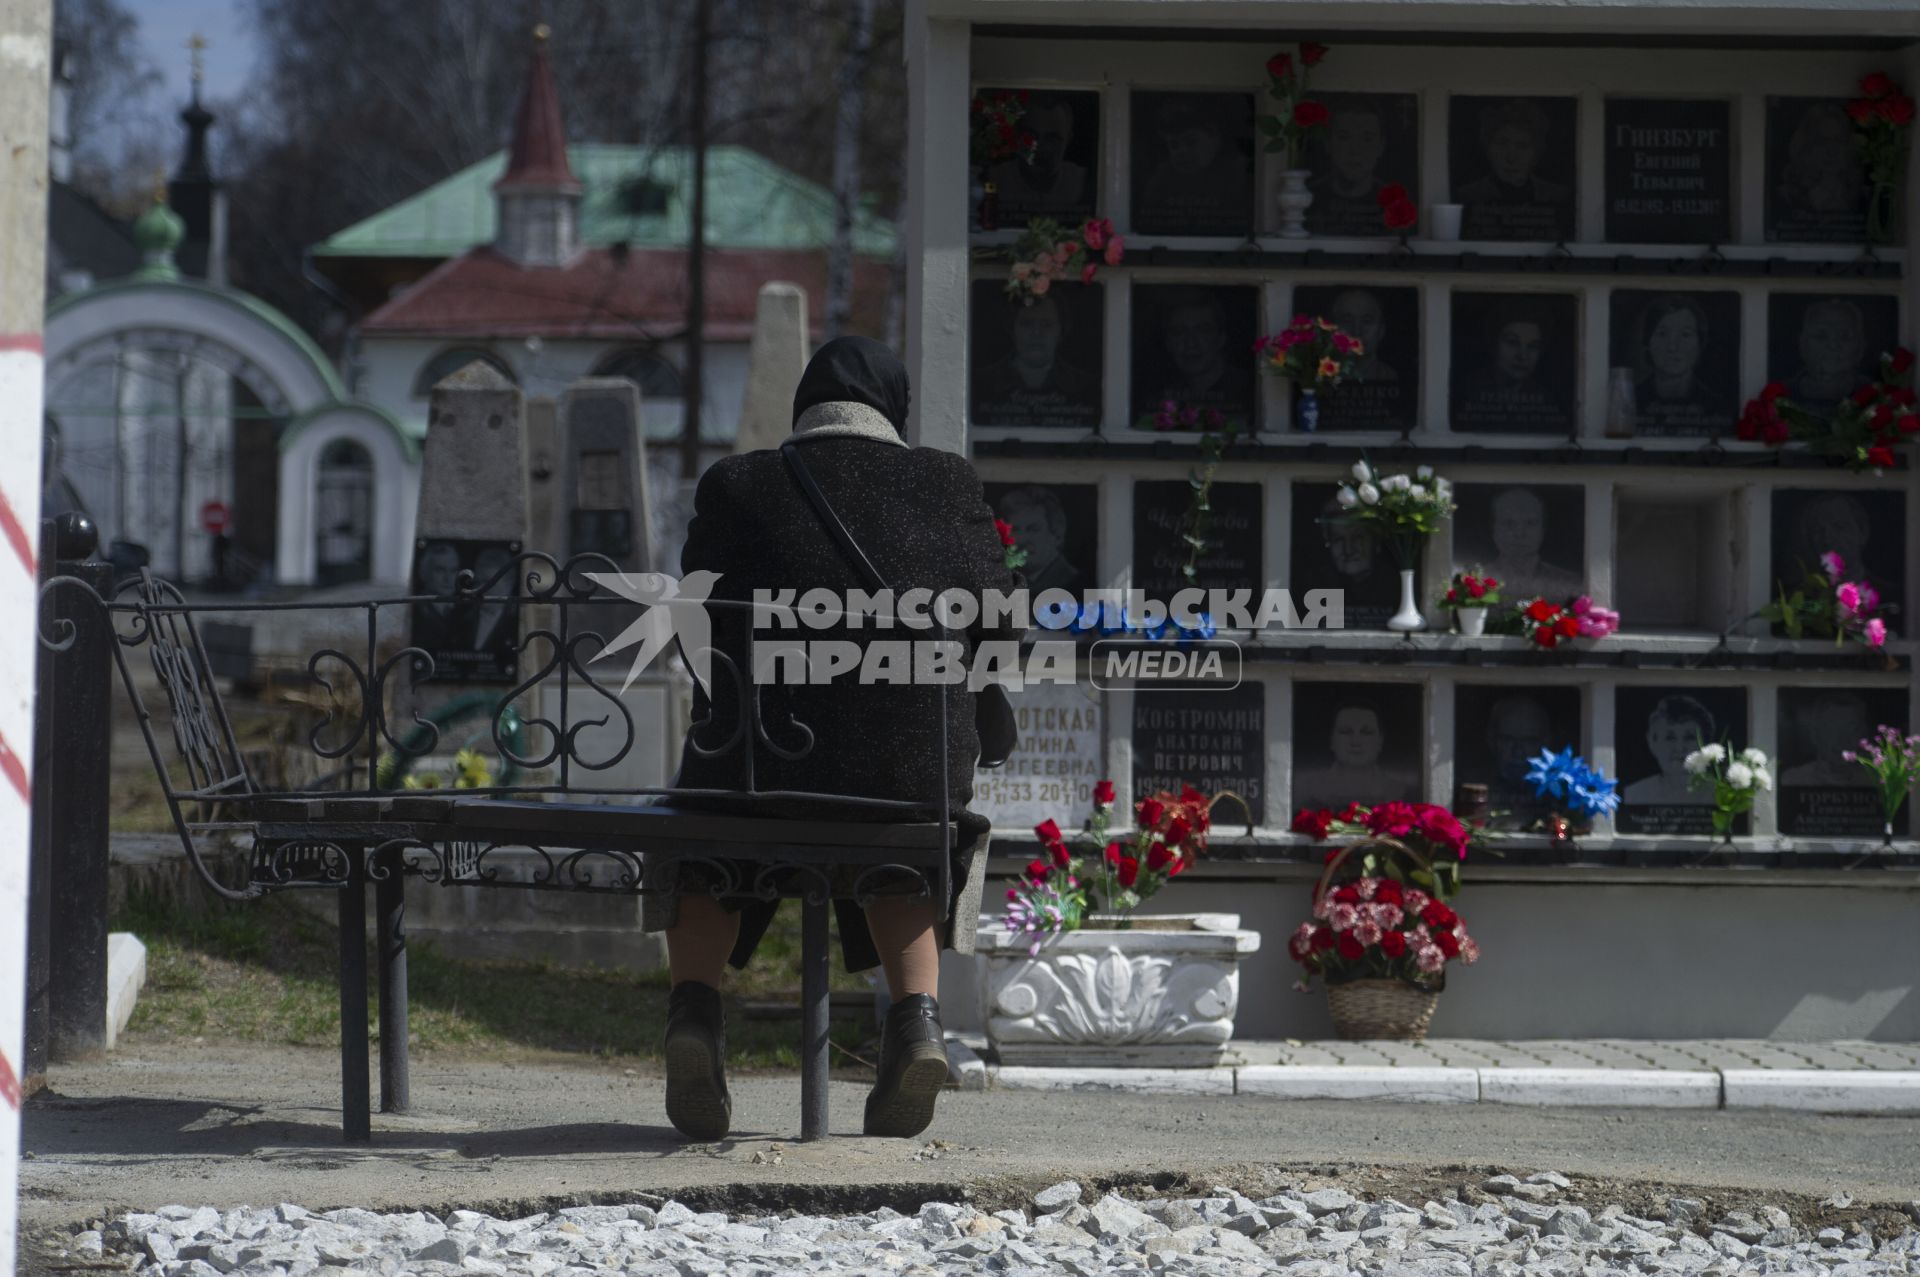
(821,507)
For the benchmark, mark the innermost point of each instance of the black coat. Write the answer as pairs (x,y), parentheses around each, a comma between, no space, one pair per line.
(922,519)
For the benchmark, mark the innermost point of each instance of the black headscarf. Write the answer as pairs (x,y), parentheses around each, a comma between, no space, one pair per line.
(856,370)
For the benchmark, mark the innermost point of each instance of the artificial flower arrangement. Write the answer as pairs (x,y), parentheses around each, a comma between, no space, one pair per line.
(1466,590)
(1549,624)
(1298,116)
(1012,555)
(1061,890)
(1048,252)
(1735,778)
(996,133)
(1432,830)
(1174,415)
(1397,209)
(1573,783)
(1862,431)
(1827,605)
(1312,352)
(470,771)
(1894,760)
(1107,618)
(1882,118)
(1377,927)
(1403,510)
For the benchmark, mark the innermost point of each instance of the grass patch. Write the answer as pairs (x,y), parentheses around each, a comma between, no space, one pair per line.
(264,972)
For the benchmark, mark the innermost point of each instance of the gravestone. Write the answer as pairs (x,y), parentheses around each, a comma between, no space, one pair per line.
(1058,525)
(1817,188)
(1334,551)
(1052,773)
(1384,393)
(1655,728)
(1498,729)
(1036,364)
(1212,738)
(1669,171)
(1232,560)
(1358,742)
(775,361)
(1821,794)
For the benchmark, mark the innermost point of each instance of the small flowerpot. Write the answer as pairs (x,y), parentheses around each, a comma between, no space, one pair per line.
(1306,413)
(1295,198)
(1471,620)
(1443,220)
(1408,618)
(1375,1009)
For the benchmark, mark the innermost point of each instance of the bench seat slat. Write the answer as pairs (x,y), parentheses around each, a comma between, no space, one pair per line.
(586,820)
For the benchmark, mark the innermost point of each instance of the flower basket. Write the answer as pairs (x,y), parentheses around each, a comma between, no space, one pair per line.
(1391,1009)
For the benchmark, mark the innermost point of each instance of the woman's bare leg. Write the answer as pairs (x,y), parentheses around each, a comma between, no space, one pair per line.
(699,943)
(905,933)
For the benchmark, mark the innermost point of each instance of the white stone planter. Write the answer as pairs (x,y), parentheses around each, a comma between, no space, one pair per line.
(1162,993)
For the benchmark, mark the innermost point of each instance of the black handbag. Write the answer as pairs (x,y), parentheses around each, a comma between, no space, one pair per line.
(993,720)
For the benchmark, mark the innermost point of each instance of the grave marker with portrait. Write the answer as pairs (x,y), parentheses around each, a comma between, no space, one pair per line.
(1206,736)
(1233,559)
(1385,394)
(1515,363)
(1061,179)
(1825,346)
(1531,537)
(1333,551)
(1510,162)
(1192,163)
(1051,775)
(1684,353)
(1821,794)
(1669,168)
(1037,364)
(1193,346)
(1357,742)
(1058,525)
(1868,530)
(468,640)
(1371,141)
(1499,730)
(1816,185)
(1655,729)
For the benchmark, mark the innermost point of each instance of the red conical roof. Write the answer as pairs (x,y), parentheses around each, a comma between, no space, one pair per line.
(537,158)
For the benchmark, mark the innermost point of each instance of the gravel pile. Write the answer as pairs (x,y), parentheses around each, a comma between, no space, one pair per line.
(1524,1229)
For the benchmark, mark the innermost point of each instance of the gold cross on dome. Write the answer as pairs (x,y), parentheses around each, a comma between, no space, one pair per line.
(197,46)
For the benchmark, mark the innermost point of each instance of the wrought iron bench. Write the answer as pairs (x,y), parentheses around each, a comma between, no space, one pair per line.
(359,826)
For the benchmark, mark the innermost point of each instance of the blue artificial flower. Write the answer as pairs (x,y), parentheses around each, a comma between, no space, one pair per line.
(1203,630)
(1549,773)
(1564,774)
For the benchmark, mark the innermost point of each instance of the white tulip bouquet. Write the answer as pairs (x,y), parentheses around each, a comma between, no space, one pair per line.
(1403,509)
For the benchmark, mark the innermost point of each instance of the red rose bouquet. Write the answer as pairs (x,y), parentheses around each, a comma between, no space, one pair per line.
(1882,117)
(1014,556)
(1297,116)
(1048,252)
(1428,829)
(1862,431)
(1397,209)
(996,132)
(1549,624)
(1468,591)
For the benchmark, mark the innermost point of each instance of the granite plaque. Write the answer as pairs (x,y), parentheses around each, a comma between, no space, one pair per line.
(1816,184)
(1825,346)
(1357,742)
(1058,525)
(1868,530)
(1371,141)
(1683,350)
(1192,163)
(1052,773)
(1037,365)
(469,640)
(1497,733)
(1821,794)
(1193,348)
(1061,180)
(1510,162)
(1331,551)
(1656,728)
(1386,395)
(1669,171)
(1233,558)
(1515,363)
(1213,739)
(1531,537)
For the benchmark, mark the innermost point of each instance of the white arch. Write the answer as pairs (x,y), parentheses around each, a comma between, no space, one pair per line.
(396,485)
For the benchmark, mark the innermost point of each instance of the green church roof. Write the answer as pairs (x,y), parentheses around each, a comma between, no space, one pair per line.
(639,194)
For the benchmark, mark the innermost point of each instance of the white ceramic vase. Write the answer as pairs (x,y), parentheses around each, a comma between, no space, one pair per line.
(1471,620)
(1294,201)
(1408,618)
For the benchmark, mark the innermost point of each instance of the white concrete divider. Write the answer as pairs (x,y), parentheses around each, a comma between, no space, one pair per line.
(1360,1082)
(126,976)
(1625,1088)
(1201,1081)
(1824,1090)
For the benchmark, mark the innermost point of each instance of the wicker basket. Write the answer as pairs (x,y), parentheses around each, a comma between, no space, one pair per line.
(1390,1009)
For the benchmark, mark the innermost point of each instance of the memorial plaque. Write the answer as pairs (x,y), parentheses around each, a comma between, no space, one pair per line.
(1192,163)
(1671,560)
(1233,558)
(1332,551)
(1058,525)
(1386,393)
(1371,141)
(1515,363)
(1037,364)
(1052,773)
(1497,733)
(469,641)
(1193,348)
(1211,738)
(1510,161)
(1655,729)
(1061,180)
(1868,530)
(1357,742)
(1531,537)
(1816,184)
(1669,171)
(1684,353)
(1822,795)
(1825,346)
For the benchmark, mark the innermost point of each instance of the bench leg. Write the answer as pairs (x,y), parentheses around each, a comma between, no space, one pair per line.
(356,1120)
(813,1020)
(390,907)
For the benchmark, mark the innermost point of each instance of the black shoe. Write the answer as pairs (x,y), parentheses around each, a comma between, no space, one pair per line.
(696,1051)
(913,1068)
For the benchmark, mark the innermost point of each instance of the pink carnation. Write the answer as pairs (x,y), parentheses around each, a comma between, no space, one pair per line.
(1834,565)
(1323,908)
(1430,959)
(1366,887)
(1367,933)
(1849,596)
(1114,249)
(1388,916)
(1344,916)
(1876,632)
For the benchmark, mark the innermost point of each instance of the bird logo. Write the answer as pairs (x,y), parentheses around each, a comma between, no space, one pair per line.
(675,610)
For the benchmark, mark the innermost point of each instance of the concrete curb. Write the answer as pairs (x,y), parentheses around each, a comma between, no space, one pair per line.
(1359,1082)
(1824,1090)
(965,1068)
(126,976)
(1203,1081)
(1622,1088)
